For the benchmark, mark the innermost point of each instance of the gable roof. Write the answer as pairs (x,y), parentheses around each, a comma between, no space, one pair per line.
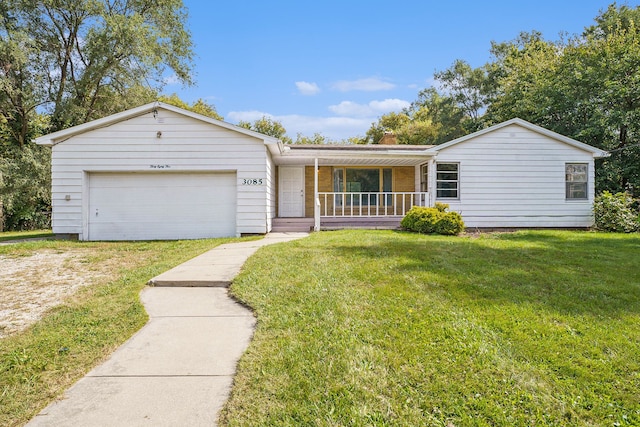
(62,135)
(597,153)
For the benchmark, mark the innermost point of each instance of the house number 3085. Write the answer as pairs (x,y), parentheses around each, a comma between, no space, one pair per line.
(252,181)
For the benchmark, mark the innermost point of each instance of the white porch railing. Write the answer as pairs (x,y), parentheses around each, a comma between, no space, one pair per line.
(347,204)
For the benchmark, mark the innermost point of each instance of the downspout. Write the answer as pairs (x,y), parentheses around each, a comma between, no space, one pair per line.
(316,199)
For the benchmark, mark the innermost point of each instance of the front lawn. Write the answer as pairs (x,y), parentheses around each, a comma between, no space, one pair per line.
(364,328)
(38,364)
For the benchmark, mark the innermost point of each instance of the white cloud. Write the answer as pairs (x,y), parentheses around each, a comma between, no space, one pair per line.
(349,119)
(389,105)
(334,128)
(370,84)
(373,108)
(307,88)
(348,108)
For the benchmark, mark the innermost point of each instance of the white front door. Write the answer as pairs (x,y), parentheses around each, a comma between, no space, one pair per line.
(291,185)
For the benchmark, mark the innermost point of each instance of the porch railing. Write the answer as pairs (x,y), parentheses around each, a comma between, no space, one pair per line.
(348,204)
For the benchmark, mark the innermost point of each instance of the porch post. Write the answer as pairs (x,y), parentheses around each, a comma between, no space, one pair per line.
(316,199)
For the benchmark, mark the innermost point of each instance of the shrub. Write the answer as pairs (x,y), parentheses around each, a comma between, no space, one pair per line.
(433,220)
(25,187)
(450,224)
(614,212)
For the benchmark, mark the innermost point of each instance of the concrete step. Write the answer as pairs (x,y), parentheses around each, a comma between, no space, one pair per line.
(282,225)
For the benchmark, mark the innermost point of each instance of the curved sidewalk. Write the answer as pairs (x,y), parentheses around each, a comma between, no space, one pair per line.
(178,369)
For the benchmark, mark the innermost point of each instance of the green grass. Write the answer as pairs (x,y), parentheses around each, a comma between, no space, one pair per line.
(383,328)
(40,363)
(18,235)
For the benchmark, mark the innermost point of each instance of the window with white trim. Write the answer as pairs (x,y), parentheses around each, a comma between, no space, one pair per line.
(447,180)
(576,181)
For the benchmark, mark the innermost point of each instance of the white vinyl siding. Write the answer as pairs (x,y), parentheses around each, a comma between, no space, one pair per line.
(271,193)
(186,145)
(515,177)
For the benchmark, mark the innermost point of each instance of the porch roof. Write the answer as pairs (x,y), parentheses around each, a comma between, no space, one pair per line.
(374,155)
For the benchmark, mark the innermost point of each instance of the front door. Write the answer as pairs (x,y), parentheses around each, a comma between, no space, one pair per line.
(291,185)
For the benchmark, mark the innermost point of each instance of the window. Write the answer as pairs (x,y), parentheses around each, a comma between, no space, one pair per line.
(424,178)
(447,181)
(362,180)
(576,181)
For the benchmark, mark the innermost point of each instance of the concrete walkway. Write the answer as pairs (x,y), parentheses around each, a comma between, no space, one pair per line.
(178,369)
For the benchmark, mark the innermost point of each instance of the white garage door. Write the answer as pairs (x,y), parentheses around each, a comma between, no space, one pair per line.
(158,206)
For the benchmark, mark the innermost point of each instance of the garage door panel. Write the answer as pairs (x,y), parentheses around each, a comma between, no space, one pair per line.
(154,206)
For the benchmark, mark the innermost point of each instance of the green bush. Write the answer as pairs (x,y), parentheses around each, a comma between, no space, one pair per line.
(615,212)
(434,220)
(25,187)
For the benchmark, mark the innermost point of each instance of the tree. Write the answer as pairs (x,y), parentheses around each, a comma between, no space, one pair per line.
(200,106)
(587,88)
(431,119)
(521,79)
(80,59)
(317,139)
(25,182)
(467,87)
(268,126)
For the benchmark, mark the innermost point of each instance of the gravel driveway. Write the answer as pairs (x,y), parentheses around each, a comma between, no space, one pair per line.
(32,284)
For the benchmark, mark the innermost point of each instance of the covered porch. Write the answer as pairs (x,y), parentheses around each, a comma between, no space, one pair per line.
(332,187)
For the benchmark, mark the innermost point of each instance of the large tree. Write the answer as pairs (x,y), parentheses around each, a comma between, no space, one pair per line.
(587,87)
(78,60)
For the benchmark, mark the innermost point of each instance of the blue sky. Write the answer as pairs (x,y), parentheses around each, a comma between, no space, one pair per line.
(334,67)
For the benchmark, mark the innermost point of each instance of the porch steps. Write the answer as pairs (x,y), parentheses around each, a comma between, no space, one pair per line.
(281,225)
(371,223)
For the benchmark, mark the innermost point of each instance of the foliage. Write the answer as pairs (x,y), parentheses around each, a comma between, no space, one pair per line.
(25,183)
(615,212)
(317,139)
(200,106)
(268,126)
(467,88)
(84,60)
(587,88)
(435,220)
(383,328)
(431,119)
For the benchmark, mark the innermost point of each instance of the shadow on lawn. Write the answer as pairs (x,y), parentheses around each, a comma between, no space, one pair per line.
(572,273)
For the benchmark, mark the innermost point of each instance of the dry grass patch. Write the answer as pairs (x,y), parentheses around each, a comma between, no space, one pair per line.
(34,281)
(32,284)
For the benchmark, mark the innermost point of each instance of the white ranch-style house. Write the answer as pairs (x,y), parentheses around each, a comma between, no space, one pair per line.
(161,172)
